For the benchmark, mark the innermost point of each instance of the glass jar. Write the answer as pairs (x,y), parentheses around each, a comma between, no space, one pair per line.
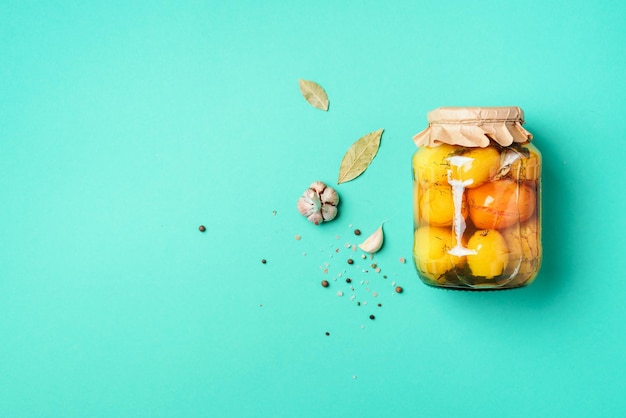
(476,197)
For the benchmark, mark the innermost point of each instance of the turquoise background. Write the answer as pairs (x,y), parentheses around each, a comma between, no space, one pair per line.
(126,125)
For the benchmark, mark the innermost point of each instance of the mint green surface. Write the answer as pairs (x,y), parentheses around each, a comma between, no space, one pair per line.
(126,125)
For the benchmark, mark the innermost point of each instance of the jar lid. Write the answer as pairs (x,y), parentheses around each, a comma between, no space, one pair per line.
(473,127)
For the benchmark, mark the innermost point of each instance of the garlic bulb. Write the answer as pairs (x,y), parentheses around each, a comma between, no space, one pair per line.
(319,203)
(374,242)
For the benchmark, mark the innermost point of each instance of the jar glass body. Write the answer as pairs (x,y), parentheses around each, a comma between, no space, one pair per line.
(477,215)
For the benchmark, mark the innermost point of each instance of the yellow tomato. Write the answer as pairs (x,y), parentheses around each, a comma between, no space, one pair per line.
(475,166)
(430,164)
(430,251)
(436,206)
(492,255)
(524,247)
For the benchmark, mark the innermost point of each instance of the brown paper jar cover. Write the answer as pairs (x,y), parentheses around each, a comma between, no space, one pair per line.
(474,127)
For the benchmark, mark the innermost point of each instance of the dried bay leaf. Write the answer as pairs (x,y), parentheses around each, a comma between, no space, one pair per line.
(314,94)
(359,156)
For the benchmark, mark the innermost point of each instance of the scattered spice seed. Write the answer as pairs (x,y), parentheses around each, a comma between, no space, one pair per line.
(402,260)
(298,237)
(357,232)
(372,317)
(274,212)
(340,293)
(264,261)
(202,228)
(399,289)
(384,276)
(358,304)
(374,265)
(380,304)
(350,261)
(327,333)
(348,280)
(363,256)
(325,283)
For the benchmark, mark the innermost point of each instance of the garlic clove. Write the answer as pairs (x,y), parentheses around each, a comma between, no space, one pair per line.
(309,203)
(329,212)
(316,218)
(374,242)
(506,161)
(318,187)
(330,196)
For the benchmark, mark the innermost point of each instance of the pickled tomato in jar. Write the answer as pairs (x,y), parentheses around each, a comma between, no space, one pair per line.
(476,200)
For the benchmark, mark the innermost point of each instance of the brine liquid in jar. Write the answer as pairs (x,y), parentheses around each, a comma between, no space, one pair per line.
(476,200)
